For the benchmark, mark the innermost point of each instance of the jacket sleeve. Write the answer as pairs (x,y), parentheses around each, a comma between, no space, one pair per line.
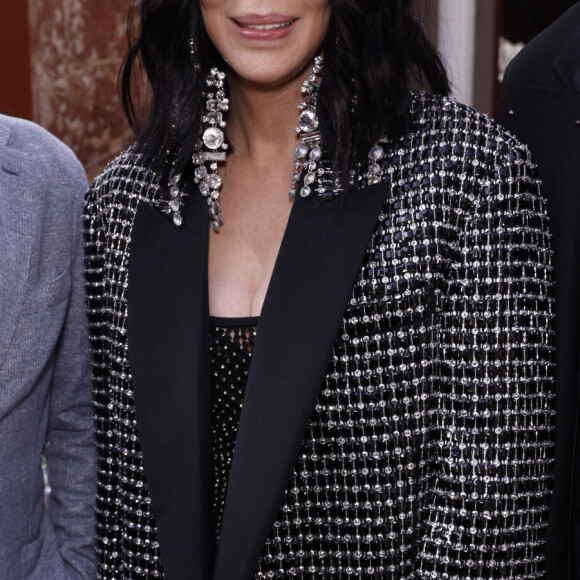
(491,410)
(70,449)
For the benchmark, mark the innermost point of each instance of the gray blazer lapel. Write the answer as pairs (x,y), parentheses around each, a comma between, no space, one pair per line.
(318,263)
(16,234)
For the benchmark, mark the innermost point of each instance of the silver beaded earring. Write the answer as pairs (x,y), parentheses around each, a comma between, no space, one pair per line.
(194,53)
(309,150)
(211,148)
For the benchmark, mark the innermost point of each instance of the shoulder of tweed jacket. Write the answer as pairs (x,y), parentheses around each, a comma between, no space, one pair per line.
(429,449)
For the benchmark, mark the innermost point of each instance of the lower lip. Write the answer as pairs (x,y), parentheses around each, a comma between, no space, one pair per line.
(263,35)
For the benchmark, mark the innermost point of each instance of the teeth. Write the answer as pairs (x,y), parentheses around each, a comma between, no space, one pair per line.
(268,26)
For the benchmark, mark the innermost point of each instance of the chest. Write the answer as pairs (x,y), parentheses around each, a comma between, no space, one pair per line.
(243,254)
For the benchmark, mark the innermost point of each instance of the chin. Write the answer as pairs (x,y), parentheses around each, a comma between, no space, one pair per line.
(269,74)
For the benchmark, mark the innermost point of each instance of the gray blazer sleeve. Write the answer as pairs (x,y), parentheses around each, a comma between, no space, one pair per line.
(69,448)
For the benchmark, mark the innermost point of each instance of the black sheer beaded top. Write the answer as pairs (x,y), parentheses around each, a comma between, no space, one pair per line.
(231,346)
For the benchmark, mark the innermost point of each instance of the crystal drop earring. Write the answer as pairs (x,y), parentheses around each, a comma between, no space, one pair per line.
(211,147)
(309,151)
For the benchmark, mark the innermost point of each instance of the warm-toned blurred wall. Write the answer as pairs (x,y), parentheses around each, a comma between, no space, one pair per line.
(76,49)
(59,61)
(15,91)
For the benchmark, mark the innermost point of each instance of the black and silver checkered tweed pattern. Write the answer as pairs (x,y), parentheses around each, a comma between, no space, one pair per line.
(429,452)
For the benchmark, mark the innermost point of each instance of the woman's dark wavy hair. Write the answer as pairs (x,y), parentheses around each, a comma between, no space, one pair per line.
(375,51)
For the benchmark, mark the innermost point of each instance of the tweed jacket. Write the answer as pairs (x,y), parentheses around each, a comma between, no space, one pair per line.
(45,380)
(398,413)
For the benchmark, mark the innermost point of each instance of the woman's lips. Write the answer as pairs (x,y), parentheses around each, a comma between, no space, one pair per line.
(267,26)
(261,28)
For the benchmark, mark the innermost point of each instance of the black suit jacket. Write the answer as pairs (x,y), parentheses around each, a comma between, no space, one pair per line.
(540,103)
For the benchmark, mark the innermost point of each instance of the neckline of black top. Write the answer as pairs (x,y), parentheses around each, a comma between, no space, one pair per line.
(230,322)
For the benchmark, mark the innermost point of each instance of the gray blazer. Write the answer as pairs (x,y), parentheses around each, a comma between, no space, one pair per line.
(45,393)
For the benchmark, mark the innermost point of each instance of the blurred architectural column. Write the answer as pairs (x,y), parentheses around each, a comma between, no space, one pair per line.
(456,35)
(467,37)
(77,47)
(15,92)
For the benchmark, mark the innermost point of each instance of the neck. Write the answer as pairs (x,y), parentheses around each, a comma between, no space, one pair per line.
(262,122)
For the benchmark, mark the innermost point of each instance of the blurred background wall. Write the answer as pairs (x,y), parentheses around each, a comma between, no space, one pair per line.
(59,60)
(477,39)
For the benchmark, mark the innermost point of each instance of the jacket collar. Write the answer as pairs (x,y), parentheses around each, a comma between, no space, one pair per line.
(18,193)
(5,131)
(168,338)
(11,160)
(317,266)
(567,63)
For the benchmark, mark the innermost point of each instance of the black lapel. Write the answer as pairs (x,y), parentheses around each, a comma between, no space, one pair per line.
(317,266)
(566,64)
(168,331)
